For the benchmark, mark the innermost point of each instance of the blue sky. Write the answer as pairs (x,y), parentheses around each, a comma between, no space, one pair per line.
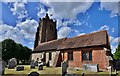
(20,19)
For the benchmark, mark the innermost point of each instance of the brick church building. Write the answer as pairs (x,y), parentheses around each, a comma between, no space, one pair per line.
(93,48)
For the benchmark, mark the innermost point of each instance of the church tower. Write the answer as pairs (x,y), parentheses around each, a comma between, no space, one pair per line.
(46,31)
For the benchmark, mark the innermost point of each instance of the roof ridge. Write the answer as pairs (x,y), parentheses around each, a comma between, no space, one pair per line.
(88,34)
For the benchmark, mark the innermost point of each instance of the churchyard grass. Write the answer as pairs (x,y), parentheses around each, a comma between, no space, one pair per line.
(47,70)
(27,70)
(118,73)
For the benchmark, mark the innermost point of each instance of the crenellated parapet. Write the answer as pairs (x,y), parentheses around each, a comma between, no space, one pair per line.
(46,31)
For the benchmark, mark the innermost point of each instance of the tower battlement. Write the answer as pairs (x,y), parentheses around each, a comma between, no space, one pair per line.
(46,31)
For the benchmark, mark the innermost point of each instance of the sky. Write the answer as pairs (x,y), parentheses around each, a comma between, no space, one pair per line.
(20,18)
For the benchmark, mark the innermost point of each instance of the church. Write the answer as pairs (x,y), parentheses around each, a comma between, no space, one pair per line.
(93,48)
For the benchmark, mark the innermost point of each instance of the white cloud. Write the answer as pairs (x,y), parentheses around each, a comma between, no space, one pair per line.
(23,30)
(25,1)
(31,43)
(19,10)
(76,22)
(72,21)
(59,22)
(67,9)
(110,6)
(114,43)
(64,32)
(113,47)
(76,31)
(8,31)
(81,34)
(41,13)
(116,40)
(28,28)
(109,0)
(111,38)
(104,27)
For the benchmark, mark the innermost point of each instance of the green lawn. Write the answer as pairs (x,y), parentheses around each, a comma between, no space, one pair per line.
(118,73)
(27,70)
(50,70)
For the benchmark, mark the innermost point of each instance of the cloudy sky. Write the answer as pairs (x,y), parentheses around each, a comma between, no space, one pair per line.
(19,19)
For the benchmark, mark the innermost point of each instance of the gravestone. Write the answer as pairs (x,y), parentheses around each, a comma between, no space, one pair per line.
(2,67)
(36,63)
(11,64)
(110,70)
(48,64)
(32,64)
(91,67)
(40,66)
(19,68)
(15,60)
(64,67)
(33,74)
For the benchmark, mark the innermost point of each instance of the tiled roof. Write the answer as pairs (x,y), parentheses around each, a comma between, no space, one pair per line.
(50,45)
(92,39)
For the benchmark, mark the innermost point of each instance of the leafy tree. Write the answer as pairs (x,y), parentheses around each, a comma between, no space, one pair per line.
(10,49)
(117,53)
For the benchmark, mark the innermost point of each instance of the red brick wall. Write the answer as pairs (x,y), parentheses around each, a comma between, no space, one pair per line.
(98,57)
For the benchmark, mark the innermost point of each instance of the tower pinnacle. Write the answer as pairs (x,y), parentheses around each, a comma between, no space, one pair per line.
(47,16)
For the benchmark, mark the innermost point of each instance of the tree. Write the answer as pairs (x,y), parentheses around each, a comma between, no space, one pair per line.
(10,49)
(117,53)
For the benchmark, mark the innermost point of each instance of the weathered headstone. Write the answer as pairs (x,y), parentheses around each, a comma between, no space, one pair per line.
(4,63)
(19,68)
(64,67)
(32,64)
(110,70)
(15,60)
(83,74)
(33,74)
(36,63)
(40,66)
(91,67)
(2,67)
(48,64)
(11,64)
